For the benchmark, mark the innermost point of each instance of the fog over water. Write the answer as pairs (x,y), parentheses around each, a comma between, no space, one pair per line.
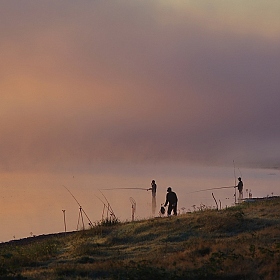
(32,204)
(119,93)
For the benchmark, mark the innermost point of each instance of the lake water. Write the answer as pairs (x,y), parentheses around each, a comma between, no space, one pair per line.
(32,204)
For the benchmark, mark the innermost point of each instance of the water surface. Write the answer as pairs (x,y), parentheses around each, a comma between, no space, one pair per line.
(32,204)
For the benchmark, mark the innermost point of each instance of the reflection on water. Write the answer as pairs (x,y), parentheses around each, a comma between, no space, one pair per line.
(33,204)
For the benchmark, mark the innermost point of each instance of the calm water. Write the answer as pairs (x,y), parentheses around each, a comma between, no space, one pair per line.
(32,204)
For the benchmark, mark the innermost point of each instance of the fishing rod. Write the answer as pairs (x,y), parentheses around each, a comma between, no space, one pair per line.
(239,172)
(109,206)
(234,172)
(81,208)
(227,187)
(124,189)
(104,206)
(235,182)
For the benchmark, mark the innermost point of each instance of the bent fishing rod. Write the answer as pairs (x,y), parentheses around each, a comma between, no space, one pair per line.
(228,187)
(109,207)
(104,207)
(124,189)
(90,223)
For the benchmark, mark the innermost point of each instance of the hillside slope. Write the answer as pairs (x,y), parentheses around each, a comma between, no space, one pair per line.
(241,242)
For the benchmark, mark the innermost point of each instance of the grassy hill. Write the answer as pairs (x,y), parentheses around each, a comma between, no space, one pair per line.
(241,242)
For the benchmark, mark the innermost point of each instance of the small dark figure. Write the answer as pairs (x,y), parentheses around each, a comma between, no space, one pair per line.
(154,191)
(171,200)
(153,188)
(240,188)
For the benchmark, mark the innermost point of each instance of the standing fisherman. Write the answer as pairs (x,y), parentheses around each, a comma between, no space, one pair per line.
(154,191)
(171,200)
(153,188)
(240,188)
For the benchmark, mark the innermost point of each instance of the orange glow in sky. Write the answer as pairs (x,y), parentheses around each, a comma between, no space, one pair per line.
(87,87)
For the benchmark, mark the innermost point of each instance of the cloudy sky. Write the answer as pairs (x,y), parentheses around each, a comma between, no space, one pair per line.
(84,82)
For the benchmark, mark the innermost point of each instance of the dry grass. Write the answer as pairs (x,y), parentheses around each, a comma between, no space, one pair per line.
(242,242)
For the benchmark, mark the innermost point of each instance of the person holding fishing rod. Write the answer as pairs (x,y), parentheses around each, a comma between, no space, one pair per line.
(153,188)
(240,188)
(171,200)
(154,191)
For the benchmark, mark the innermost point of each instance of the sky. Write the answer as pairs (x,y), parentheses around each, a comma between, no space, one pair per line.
(108,82)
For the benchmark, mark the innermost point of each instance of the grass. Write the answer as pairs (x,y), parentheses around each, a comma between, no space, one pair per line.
(241,242)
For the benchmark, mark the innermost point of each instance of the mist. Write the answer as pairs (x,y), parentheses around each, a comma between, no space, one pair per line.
(89,83)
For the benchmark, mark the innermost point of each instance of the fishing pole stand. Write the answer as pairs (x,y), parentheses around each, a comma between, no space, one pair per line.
(81,219)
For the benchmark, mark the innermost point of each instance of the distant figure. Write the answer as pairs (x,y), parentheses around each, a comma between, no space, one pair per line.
(240,188)
(154,191)
(250,194)
(153,188)
(171,200)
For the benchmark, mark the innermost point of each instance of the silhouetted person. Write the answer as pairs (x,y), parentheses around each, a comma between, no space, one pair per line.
(171,200)
(154,191)
(153,188)
(240,188)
